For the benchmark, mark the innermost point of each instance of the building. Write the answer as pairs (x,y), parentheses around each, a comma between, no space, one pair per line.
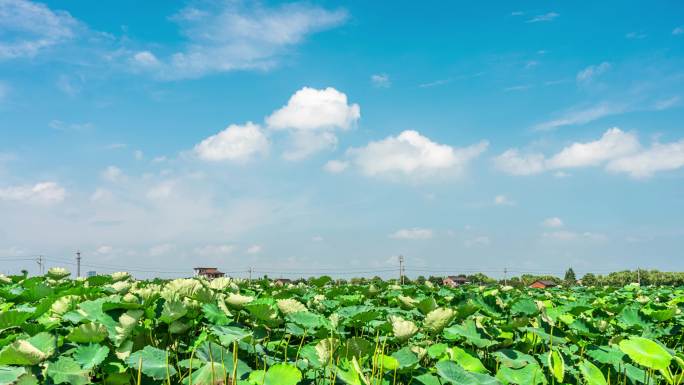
(282,281)
(208,272)
(91,273)
(542,284)
(455,281)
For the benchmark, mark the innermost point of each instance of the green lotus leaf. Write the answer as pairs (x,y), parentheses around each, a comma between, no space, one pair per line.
(67,370)
(282,374)
(10,374)
(154,362)
(30,351)
(90,356)
(592,375)
(646,352)
(451,372)
(87,333)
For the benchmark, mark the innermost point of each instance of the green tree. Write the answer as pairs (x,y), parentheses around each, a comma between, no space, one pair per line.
(570,278)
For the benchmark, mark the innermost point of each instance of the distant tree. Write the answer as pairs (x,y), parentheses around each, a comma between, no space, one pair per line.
(435,280)
(420,280)
(24,272)
(481,279)
(570,278)
(590,279)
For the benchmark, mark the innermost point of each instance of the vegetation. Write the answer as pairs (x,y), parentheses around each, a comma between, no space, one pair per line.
(115,330)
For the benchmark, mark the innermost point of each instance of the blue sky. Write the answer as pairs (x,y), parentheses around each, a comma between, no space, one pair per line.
(302,137)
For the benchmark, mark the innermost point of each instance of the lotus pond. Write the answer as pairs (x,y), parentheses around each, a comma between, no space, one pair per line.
(115,330)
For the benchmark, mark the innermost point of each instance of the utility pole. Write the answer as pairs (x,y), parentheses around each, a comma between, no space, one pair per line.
(41,269)
(639,276)
(401,269)
(78,263)
(505,276)
(250,274)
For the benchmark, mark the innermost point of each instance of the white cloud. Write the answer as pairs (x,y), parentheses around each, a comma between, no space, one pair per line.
(477,241)
(561,235)
(590,73)
(101,195)
(312,116)
(40,193)
(254,249)
(214,250)
(227,36)
(502,200)
(29,28)
(236,143)
(553,222)
(678,31)
(512,162)
(545,17)
(73,127)
(412,154)
(582,116)
(619,151)
(415,233)
(161,190)
(138,155)
(162,249)
(317,238)
(335,166)
(306,143)
(613,144)
(113,174)
(145,59)
(659,157)
(104,249)
(381,80)
(312,109)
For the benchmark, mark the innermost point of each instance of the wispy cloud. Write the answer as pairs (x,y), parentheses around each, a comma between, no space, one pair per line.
(678,31)
(635,35)
(29,28)
(228,36)
(582,115)
(435,83)
(545,17)
(522,87)
(415,233)
(381,80)
(593,71)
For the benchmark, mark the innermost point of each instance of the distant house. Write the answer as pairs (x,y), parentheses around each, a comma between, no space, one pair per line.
(455,281)
(91,273)
(208,272)
(542,284)
(282,281)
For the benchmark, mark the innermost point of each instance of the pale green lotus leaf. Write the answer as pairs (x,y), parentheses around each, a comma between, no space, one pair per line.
(403,329)
(438,319)
(120,276)
(30,351)
(238,300)
(290,305)
(58,273)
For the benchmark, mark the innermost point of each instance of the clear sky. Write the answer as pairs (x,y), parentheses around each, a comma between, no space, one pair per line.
(301,137)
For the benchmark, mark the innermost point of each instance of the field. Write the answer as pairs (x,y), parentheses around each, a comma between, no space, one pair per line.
(115,330)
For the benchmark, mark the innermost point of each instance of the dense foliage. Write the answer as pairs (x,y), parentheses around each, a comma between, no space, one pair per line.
(115,330)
